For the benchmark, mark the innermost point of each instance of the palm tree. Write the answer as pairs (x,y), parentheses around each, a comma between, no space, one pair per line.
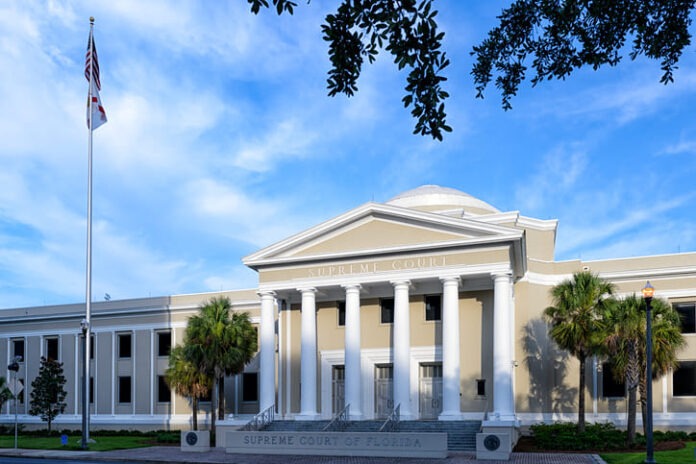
(666,342)
(185,378)
(624,325)
(576,324)
(224,344)
(625,340)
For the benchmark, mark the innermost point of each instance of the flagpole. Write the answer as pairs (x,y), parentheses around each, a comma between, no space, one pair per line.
(88,298)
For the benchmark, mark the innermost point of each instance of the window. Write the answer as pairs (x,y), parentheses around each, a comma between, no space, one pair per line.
(91,346)
(387,310)
(341,305)
(433,308)
(52,349)
(208,397)
(611,388)
(18,348)
(687,314)
(91,390)
(481,387)
(164,394)
(164,343)
(684,379)
(124,389)
(250,385)
(124,346)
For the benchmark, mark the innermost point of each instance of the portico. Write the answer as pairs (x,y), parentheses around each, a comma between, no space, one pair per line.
(466,261)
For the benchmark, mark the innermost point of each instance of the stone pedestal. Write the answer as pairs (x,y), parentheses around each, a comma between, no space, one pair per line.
(496,440)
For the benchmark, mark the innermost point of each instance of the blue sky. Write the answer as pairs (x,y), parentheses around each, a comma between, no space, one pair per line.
(221,140)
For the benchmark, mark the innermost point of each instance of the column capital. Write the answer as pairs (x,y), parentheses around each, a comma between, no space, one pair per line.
(351,287)
(400,283)
(507,273)
(450,280)
(307,290)
(266,293)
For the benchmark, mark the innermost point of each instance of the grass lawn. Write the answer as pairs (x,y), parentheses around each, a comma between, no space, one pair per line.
(53,443)
(683,455)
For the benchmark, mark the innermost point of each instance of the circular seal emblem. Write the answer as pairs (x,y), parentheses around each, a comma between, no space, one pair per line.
(491,442)
(191,438)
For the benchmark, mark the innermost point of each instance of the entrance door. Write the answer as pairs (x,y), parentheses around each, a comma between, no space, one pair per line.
(338,375)
(430,393)
(384,390)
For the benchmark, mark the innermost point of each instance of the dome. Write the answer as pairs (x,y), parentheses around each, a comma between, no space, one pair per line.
(435,198)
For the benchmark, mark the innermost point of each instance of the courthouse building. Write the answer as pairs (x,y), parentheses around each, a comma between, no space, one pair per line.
(431,301)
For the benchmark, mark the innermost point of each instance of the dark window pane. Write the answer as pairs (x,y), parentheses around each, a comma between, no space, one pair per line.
(433,308)
(164,345)
(124,346)
(18,347)
(687,314)
(52,349)
(91,390)
(207,398)
(91,347)
(610,387)
(341,313)
(250,382)
(684,379)
(481,387)
(387,310)
(124,389)
(164,395)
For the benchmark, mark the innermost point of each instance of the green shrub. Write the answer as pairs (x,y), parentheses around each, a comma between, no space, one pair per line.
(168,437)
(565,436)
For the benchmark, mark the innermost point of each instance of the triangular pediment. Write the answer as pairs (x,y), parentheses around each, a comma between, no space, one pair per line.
(378,228)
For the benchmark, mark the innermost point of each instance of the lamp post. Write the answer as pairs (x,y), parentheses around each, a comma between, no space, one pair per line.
(84,326)
(14,367)
(648,292)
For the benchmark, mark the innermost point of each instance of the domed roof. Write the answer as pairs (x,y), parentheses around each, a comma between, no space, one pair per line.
(435,198)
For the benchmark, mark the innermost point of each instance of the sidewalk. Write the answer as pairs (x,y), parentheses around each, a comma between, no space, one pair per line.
(173,455)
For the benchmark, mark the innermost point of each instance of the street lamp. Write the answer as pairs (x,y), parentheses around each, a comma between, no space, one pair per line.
(84,326)
(648,292)
(14,367)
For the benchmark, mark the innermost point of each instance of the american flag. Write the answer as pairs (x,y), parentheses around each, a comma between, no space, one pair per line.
(91,60)
(98,116)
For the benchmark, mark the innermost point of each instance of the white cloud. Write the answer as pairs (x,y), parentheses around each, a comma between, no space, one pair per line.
(684,146)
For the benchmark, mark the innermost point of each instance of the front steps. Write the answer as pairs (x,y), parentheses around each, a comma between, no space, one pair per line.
(461,435)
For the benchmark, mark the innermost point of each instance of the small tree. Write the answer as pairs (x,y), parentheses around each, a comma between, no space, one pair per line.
(5,394)
(48,394)
(185,378)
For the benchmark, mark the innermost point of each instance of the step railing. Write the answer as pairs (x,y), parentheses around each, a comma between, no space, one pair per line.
(339,421)
(261,420)
(392,421)
(485,417)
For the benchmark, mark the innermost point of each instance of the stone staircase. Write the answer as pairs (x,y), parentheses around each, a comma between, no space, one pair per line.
(461,435)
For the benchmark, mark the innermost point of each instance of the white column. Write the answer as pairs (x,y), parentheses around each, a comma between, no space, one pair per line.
(152,371)
(353,382)
(503,398)
(114,357)
(308,356)
(451,409)
(267,351)
(402,349)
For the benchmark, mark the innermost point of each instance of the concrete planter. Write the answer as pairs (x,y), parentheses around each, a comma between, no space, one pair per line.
(195,441)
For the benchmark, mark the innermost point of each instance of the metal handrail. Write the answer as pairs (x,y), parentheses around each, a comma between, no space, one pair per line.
(261,420)
(340,420)
(393,419)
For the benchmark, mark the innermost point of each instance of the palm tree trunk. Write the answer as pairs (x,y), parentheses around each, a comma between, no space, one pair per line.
(213,403)
(195,412)
(581,399)
(643,401)
(221,398)
(631,426)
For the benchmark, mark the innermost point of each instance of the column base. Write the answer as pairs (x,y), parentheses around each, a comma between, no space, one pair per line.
(450,416)
(356,416)
(308,416)
(407,416)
